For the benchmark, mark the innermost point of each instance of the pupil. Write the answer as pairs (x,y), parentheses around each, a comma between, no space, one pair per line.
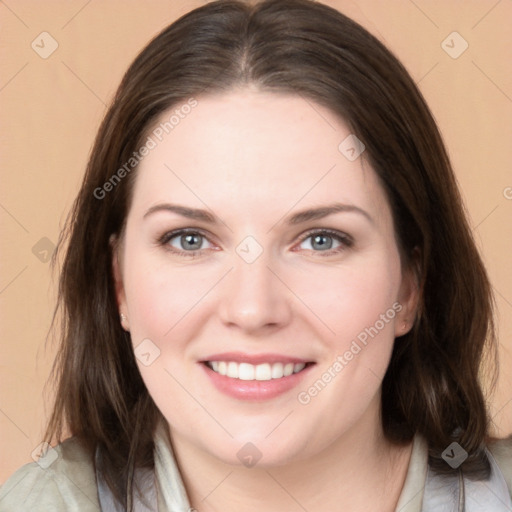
(322,242)
(191,241)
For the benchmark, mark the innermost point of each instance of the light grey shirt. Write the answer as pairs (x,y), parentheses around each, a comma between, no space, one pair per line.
(64,480)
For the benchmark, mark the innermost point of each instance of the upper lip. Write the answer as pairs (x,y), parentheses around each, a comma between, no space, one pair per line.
(239,357)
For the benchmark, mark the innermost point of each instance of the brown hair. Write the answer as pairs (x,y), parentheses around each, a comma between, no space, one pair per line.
(300,47)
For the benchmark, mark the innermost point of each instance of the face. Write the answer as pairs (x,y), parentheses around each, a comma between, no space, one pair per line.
(261,280)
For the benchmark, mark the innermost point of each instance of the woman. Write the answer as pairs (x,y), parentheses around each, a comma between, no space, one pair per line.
(271,297)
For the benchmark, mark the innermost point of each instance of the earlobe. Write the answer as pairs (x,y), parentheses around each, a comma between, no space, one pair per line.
(124,323)
(409,297)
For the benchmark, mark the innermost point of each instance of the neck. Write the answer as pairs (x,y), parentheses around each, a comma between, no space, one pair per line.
(355,473)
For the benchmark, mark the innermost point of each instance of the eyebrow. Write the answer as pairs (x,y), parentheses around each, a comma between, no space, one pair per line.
(184,211)
(297,218)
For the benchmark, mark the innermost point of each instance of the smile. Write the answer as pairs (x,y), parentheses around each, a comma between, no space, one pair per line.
(255,377)
(261,372)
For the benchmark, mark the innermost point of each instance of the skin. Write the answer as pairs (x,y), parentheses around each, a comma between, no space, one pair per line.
(252,159)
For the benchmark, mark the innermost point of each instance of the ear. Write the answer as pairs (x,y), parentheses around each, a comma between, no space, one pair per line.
(116,250)
(408,296)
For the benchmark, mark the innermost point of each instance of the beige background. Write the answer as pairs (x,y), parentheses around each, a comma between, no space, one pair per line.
(51,109)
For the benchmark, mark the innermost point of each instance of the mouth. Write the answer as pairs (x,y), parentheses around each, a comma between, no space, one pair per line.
(255,377)
(259,372)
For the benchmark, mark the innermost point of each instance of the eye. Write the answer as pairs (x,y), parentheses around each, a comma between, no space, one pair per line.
(190,242)
(186,242)
(325,241)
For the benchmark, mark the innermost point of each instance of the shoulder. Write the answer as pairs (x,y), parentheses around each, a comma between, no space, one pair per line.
(501,450)
(62,480)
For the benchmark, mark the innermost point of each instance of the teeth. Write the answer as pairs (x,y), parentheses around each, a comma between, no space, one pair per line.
(232,370)
(298,367)
(246,371)
(277,370)
(288,369)
(263,372)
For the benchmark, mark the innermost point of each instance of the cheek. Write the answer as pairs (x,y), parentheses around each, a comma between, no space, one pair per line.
(348,300)
(162,301)
(159,296)
(169,306)
(360,306)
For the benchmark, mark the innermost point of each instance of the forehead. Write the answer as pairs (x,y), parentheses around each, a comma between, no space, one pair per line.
(250,150)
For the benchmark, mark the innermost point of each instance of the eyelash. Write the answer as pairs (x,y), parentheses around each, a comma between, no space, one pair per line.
(345,241)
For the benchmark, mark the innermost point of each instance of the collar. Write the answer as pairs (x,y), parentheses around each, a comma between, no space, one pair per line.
(171,493)
(411,497)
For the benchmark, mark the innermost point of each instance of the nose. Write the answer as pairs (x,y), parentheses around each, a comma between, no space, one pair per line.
(254,299)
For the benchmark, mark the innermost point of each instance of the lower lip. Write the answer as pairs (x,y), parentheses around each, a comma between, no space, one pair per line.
(256,390)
